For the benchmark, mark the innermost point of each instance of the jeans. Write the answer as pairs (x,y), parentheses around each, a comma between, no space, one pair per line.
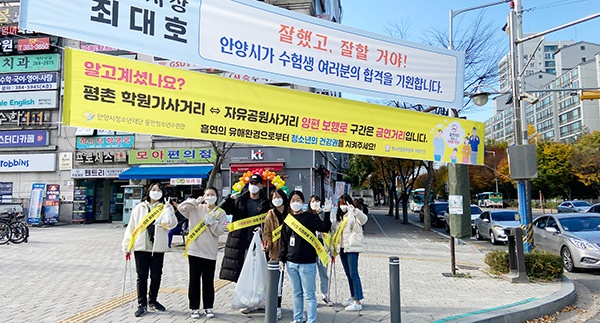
(148,262)
(302,277)
(201,269)
(350,264)
(323,277)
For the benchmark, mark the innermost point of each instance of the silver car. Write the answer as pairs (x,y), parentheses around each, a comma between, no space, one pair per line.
(575,237)
(573,206)
(475,212)
(491,224)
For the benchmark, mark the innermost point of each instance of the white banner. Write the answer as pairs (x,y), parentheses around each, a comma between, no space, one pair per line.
(96,172)
(28,100)
(27,163)
(248,36)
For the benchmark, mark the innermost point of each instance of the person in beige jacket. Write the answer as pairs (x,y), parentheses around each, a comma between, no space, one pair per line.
(150,246)
(350,248)
(202,252)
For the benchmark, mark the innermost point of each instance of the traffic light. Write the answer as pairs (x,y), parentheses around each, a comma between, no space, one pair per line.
(589,95)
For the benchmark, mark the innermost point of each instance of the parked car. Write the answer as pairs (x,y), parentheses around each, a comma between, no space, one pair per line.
(491,224)
(594,208)
(575,237)
(573,206)
(436,213)
(475,212)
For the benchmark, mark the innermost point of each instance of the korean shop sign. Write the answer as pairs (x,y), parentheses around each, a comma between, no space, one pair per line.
(90,142)
(29,63)
(247,36)
(170,156)
(28,100)
(28,81)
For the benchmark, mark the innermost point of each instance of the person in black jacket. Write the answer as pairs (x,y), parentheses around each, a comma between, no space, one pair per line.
(300,257)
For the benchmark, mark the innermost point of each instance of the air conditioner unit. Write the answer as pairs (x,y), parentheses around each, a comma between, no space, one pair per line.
(136,181)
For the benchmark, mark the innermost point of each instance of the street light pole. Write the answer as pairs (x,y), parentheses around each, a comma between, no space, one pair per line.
(495,169)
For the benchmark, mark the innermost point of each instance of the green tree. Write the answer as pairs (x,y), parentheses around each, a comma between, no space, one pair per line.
(585,160)
(554,168)
(220,149)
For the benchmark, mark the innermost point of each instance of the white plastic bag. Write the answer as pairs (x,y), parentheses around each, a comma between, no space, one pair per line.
(251,288)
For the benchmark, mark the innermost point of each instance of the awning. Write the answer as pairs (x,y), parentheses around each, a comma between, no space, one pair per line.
(166,171)
(235,168)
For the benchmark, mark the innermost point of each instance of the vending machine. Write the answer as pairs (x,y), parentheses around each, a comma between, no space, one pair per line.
(132,196)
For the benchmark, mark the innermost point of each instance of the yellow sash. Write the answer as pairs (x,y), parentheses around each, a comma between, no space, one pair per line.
(310,237)
(337,235)
(276,234)
(247,222)
(197,231)
(151,216)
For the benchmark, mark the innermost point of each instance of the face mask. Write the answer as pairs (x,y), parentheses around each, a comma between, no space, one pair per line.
(315,205)
(210,200)
(155,195)
(253,189)
(277,202)
(344,208)
(296,206)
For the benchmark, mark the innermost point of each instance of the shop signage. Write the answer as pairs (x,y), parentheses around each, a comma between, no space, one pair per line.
(90,142)
(65,161)
(29,63)
(28,81)
(100,157)
(96,172)
(28,100)
(24,138)
(51,204)
(177,64)
(256,154)
(186,181)
(170,156)
(24,118)
(91,47)
(32,44)
(27,163)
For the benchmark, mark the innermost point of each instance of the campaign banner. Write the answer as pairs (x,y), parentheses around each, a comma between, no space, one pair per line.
(23,138)
(29,63)
(91,142)
(152,99)
(251,37)
(28,100)
(27,163)
(35,203)
(171,156)
(28,81)
(51,204)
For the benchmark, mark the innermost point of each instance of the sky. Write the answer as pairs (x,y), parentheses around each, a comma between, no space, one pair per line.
(422,17)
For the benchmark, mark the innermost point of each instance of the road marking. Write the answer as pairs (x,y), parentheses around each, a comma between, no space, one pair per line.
(487,310)
(380,228)
(112,304)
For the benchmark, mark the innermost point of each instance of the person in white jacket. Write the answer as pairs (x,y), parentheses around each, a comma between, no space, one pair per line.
(350,248)
(202,251)
(149,245)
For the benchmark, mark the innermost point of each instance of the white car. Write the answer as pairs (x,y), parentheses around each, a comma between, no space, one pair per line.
(491,225)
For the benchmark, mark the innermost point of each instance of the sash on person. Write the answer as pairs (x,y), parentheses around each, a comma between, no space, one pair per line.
(197,231)
(309,236)
(336,238)
(247,222)
(276,234)
(149,218)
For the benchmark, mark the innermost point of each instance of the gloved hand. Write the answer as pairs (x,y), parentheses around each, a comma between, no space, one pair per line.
(351,208)
(235,195)
(127,256)
(328,205)
(265,245)
(281,266)
(209,220)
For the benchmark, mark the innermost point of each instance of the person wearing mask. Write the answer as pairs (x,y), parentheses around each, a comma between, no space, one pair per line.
(314,206)
(147,237)
(251,203)
(274,220)
(347,218)
(299,251)
(207,223)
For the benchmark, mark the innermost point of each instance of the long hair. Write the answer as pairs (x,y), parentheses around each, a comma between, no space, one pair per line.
(147,193)
(345,198)
(284,197)
(312,197)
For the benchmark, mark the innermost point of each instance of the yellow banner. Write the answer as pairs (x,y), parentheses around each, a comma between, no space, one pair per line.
(112,93)
(309,236)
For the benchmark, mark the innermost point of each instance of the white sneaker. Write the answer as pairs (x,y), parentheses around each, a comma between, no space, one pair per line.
(347,302)
(354,307)
(248,310)
(209,313)
(196,314)
(279,313)
(327,301)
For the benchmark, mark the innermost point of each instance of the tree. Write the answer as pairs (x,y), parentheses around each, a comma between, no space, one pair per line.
(585,160)
(360,167)
(221,149)
(554,168)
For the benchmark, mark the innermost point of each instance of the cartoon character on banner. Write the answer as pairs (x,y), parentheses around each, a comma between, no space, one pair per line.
(266,174)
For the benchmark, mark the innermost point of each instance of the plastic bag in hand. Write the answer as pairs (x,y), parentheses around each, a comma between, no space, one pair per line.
(251,288)
(328,205)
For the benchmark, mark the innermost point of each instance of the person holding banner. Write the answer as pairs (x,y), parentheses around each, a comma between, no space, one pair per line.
(348,236)
(147,237)
(314,206)
(299,251)
(207,223)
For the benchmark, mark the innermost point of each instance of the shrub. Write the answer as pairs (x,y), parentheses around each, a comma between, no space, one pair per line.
(498,262)
(539,265)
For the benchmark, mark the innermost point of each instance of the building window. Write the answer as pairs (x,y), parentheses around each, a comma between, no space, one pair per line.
(583,59)
(582,47)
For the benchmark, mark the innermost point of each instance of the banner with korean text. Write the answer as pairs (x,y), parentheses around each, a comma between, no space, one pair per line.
(107,92)
(248,36)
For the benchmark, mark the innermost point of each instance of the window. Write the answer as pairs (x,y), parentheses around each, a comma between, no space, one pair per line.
(583,59)
(582,47)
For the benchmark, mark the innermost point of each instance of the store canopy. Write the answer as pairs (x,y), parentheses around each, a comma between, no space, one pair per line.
(166,171)
(236,168)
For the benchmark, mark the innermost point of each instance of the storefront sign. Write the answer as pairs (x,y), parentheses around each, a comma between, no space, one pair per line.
(177,64)
(100,157)
(29,63)
(96,172)
(177,103)
(186,181)
(170,156)
(65,161)
(91,47)
(28,81)
(51,204)
(35,203)
(91,142)
(23,118)
(24,138)
(6,191)
(27,163)
(262,40)
(28,100)
(33,44)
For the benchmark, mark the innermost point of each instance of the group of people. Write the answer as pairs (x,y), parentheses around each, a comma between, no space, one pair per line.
(303,241)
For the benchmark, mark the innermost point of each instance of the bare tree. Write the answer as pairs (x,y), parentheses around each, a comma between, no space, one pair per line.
(221,149)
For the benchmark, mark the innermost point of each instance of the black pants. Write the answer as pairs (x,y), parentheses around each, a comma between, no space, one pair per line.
(147,262)
(201,268)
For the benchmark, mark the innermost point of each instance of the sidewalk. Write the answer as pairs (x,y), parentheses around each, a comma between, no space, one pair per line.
(74,273)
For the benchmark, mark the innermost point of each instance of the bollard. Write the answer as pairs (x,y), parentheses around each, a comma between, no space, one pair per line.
(516,256)
(395,289)
(272,282)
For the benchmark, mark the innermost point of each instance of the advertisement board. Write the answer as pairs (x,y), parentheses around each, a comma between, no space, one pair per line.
(91,142)
(171,156)
(28,100)
(27,163)
(51,204)
(35,203)
(28,81)
(23,138)
(29,63)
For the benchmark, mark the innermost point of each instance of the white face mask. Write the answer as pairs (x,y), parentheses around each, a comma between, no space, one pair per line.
(155,195)
(277,202)
(296,206)
(253,189)
(210,200)
(315,205)
(344,208)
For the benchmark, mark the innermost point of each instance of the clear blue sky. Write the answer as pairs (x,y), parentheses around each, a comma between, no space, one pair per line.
(424,16)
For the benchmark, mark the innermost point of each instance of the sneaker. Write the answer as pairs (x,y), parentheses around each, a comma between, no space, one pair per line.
(279,313)
(209,313)
(354,307)
(304,317)
(327,301)
(248,310)
(141,311)
(347,302)
(196,314)
(156,306)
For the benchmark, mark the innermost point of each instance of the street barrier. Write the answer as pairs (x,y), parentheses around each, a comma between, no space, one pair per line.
(272,282)
(395,289)
(516,256)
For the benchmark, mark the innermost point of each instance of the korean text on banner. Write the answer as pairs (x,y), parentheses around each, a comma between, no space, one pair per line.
(262,40)
(107,92)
